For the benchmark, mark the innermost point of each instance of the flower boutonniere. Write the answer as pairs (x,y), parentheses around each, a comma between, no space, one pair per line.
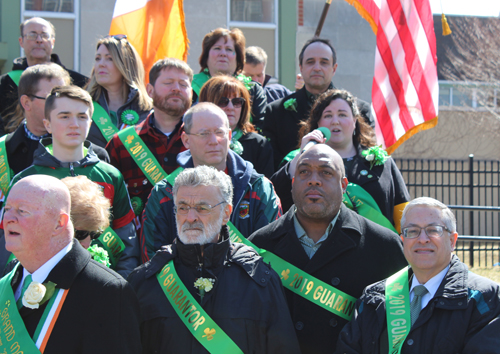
(375,155)
(246,80)
(37,294)
(291,104)
(204,285)
(99,254)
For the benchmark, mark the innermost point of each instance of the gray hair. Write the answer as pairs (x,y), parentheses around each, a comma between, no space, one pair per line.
(255,55)
(203,107)
(205,176)
(447,216)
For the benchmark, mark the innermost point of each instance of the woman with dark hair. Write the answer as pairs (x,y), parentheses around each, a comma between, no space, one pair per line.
(117,87)
(231,95)
(374,179)
(223,53)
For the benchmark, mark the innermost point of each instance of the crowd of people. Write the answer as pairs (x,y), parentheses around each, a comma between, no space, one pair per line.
(211,213)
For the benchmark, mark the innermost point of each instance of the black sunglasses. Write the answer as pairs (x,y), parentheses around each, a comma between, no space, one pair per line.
(118,37)
(237,102)
(81,235)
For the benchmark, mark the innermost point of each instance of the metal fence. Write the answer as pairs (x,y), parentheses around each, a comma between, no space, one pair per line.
(472,190)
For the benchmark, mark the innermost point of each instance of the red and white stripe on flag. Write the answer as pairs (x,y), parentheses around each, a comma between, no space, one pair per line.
(405,87)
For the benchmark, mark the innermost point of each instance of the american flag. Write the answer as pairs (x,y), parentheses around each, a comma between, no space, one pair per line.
(405,87)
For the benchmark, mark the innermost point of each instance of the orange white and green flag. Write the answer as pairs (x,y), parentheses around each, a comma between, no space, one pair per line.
(156,28)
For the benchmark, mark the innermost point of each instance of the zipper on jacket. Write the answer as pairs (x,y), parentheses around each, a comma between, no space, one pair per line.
(71,169)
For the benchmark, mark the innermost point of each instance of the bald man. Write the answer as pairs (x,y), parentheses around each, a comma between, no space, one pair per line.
(52,271)
(329,242)
(37,39)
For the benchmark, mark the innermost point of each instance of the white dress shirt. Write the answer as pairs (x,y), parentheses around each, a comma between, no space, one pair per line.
(432,285)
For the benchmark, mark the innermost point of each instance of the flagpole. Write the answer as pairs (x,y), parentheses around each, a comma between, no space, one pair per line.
(322,18)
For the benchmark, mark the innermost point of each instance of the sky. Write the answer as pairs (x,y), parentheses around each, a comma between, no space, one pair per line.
(467,7)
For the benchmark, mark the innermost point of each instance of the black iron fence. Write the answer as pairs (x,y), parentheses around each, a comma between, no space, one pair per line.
(472,189)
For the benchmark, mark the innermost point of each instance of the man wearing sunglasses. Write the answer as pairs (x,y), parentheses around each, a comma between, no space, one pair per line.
(37,39)
(436,305)
(207,136)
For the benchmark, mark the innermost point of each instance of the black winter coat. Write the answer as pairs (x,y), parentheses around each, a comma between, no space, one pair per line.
(356,252)
(247,300)
(463,317)
(258,151)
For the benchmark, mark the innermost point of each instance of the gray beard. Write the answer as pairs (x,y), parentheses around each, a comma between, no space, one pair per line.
(208,234)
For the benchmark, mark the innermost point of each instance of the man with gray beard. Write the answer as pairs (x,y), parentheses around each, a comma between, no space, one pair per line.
(204,293)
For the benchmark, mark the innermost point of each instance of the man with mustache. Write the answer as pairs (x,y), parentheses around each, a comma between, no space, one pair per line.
(207,136)
(327,241)
(170,88)
(448,308)
(241,294)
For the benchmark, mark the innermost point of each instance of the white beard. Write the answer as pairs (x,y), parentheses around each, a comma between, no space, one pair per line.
(202,236)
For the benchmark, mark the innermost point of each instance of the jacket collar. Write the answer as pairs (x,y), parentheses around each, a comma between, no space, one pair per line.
(238,169)
(43,158)
(21,63)
(344,237)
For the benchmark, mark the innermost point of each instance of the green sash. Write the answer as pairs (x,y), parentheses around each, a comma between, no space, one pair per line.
(15,75)
(142,156)
(112,243)
(301,283)
(366,205)
(14,338)
(103,121)
(5,176)
(295,279)
(201,326)
(397,305)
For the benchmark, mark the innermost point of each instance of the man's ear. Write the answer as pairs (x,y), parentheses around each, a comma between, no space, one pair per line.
(335,68)
(25,102)
(453,240)
(21,42)
(150,90)
(228,209)
(345,182)
(185,139)
(62,223)
(47,125)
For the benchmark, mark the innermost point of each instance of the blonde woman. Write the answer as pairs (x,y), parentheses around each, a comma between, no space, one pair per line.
(117,85)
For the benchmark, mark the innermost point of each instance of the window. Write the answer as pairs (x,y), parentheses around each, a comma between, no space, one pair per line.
(64,15)
(258,20)
(469,95)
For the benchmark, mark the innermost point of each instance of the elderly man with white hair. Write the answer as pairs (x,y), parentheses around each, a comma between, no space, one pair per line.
(56,299)
(434,306)
(204,293)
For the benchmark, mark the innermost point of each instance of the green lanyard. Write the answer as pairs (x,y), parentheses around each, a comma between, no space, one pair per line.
(103,121)
(194,317)
(301,283)
(4,167)
(397,307)
(112,243)
(366,205)
(15,75)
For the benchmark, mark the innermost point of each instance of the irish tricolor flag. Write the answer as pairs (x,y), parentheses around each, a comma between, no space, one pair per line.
(155,28)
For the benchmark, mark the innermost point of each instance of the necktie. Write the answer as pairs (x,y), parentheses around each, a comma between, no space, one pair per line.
(416,303)
(27,282)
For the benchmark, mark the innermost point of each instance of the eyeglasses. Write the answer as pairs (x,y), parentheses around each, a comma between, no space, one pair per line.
(206,134)
(201,209)
(237,102)
(35,96)
(431,231)
(33,36)
(81,235)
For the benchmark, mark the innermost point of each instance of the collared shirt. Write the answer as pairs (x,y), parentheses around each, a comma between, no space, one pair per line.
(42,273)
(32,136)
(311,247)
(432,285)
(164,148)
